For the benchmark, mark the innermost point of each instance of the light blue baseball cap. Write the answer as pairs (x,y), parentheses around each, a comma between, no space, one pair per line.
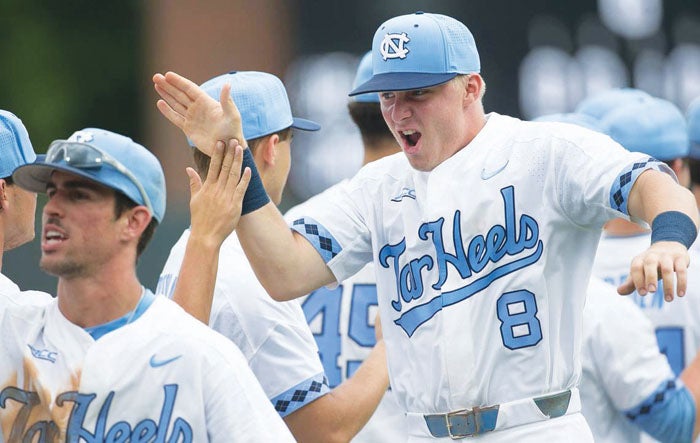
(599,104)
(693,116)
(105,157)
(15,148)
(364,73)
(418,51)
(575,118)
(262,101)
(655,127)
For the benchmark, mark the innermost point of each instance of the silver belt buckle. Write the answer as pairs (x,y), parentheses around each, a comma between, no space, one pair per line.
(465,413)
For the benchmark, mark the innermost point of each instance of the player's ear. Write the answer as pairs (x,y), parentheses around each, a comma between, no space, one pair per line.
(473,86)
(4,200)
(136,221)
(269,151)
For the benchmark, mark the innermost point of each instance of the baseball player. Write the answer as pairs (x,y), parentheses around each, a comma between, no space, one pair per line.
(480,290)
(107,360)
(274,337)
(342,318)
(17,206)
(693,116)
(627,385)
(663,135)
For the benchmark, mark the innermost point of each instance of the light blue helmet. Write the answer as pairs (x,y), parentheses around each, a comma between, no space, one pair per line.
(598,105)
(364,73)
(105,157)
(419,50)
(693,116)
(655,127)
(15,148)
(261,99)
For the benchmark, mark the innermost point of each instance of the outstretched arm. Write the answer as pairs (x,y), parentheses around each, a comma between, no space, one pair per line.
(285,263)
(340,414)
(344,411)
(655,193)
(215,207)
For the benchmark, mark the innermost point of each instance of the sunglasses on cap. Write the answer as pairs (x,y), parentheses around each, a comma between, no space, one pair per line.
(85,156)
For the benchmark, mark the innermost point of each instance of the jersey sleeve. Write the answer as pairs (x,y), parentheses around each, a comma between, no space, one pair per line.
(335,223)
(275,340)
(236,404)
(288,366)
(594,176)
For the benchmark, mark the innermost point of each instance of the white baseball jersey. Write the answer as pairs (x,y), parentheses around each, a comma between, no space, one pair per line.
(342,321)
(677,324)
(622,366)
(273,336)
(481,263)
(161,376)
(12,295)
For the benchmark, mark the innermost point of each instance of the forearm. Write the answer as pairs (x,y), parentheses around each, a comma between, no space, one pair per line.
(194,290)
(343,412)
(285,263)
(655,192)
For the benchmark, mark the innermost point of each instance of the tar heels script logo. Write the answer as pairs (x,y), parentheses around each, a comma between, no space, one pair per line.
(25,430)
(515,238)
(393,46)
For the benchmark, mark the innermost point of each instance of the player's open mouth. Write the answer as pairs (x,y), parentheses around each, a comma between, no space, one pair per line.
(53,237)
(411,137)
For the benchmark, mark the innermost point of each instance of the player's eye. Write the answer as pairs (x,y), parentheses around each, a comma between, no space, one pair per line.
(77,194)
(386,95)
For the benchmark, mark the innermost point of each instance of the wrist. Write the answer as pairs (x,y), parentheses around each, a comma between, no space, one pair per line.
(255,196)
(674,226)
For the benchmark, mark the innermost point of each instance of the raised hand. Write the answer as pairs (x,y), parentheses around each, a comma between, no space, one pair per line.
(666,261)
(200,117)
(215,205)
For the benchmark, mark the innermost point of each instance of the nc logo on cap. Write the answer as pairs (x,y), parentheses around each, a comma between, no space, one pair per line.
(393,46)
(81,137)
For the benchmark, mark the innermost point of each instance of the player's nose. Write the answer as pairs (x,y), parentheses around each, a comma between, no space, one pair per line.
(400,109)
(52,208)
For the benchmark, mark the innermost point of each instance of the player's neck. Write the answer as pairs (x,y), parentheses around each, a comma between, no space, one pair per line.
(96,300)
(621,227)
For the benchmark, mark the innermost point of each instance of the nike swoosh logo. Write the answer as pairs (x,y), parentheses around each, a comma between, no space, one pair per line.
(155,363)
(487,175)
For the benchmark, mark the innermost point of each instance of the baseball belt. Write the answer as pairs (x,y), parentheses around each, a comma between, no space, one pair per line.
(476,421)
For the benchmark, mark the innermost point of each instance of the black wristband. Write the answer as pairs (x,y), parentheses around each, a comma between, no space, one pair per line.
(255,196)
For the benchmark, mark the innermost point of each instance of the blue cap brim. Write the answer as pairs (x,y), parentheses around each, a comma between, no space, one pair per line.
(35,176)
(402,81)
(304,124)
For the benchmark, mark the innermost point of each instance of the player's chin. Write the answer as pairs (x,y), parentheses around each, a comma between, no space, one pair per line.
(419,162)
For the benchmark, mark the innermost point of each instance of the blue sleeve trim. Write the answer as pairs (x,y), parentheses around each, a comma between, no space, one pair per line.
(668,414)
(301,395)
(326,245)
(619,194)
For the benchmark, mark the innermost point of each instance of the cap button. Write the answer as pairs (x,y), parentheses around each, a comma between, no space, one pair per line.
(419,12)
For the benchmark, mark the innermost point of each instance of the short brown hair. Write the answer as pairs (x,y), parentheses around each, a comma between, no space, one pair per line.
(123,203)
(202,160)
(368,118)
